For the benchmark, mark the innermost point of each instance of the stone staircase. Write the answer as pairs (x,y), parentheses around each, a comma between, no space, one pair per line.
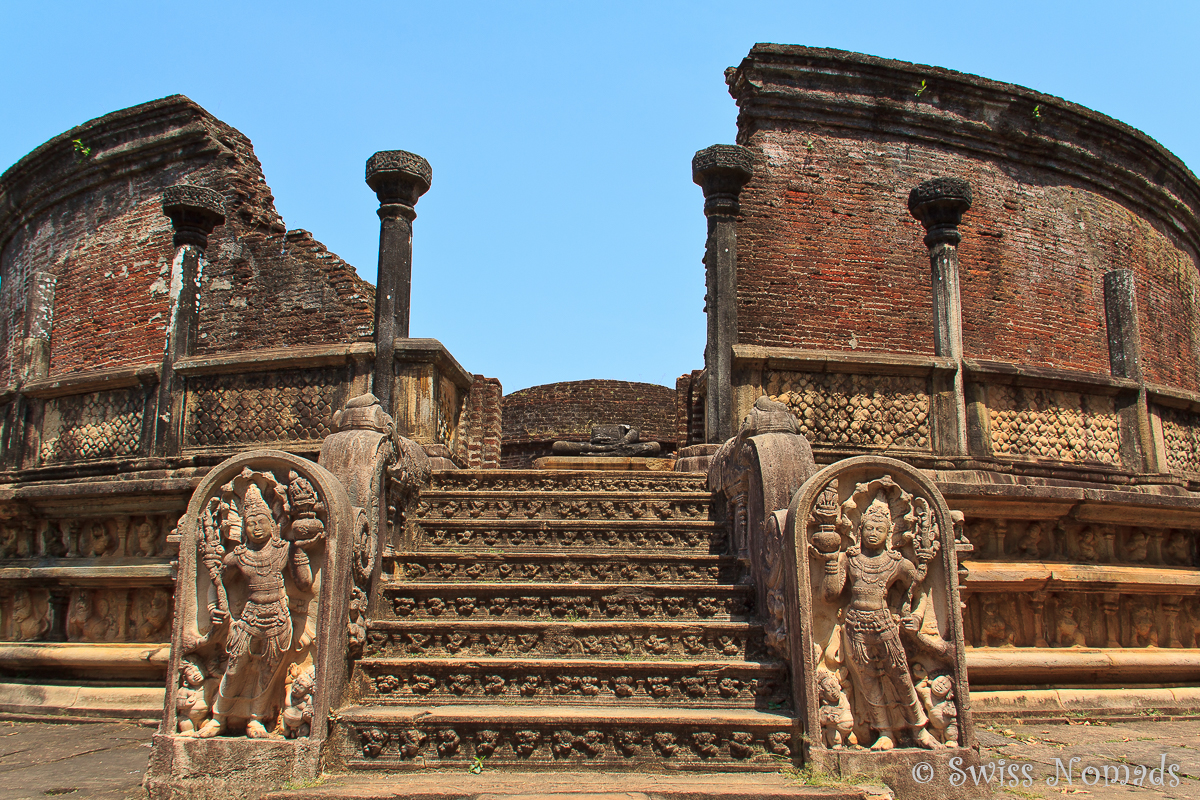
(567,620)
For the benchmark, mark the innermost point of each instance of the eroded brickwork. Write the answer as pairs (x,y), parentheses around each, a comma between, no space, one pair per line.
(536,417)
(479,429)
(95,222)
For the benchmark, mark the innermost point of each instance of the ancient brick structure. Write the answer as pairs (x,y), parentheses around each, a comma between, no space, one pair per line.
(952,355)
(996,286)
(535,418)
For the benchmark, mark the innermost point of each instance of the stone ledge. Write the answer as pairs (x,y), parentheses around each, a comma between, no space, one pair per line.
(839,361)
(1100,702)
(431,351)
(276,359)
(1149,665)
(1031,576)
(610,464)
(104,380)
(99,656)
(102,702)
(81,572)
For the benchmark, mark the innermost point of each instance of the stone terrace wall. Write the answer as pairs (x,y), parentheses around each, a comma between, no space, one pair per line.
(830,258)
(90,214)
(535,418)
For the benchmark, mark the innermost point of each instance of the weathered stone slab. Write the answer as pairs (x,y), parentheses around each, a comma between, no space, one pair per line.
(614,463)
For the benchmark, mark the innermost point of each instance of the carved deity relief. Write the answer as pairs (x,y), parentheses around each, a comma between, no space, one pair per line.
(1178,549)
(884,610)
(143,538)
(1069,631)
(260,552)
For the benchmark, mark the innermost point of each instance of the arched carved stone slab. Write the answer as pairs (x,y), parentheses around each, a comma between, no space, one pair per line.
(875,621)
(259,642)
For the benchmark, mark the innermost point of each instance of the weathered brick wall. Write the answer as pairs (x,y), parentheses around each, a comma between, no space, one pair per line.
(830,258)
(535,418)
(94,221)
(479,430)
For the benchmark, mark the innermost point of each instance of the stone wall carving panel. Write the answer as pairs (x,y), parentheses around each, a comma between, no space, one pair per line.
(92,426)
(273,407)
(1181,436)
(874,412)
(1060,426)
(1070,541)
(105,537)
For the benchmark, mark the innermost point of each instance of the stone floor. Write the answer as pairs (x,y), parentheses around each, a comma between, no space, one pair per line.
(106,760)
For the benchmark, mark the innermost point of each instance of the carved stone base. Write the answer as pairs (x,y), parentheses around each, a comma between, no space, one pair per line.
(696,457)
(618,463)
(900,771)
(215,769)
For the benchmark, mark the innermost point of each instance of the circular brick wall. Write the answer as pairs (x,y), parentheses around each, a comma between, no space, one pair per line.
(535,418)
(831,259)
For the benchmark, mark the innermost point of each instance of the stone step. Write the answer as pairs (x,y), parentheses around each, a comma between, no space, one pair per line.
(474,535)
(436,507)
(511,481)
(492,784)
(593,737)
(533,639)
(619,683)
(560,568)
(570,602)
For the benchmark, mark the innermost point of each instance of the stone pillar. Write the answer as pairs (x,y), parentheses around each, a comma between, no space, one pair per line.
(1110,603)
(1138,450)
(939,205)
(721,171)
(1037,604)
(399,178)
(194,212)
(34,364)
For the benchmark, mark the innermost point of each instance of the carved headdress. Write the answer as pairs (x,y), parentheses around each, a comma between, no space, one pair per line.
(879,510)
(253,504)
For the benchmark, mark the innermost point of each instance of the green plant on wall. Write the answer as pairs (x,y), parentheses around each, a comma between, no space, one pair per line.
(921,89)
(82,151)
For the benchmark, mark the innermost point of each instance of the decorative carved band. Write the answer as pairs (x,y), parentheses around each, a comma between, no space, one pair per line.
(1181,437)
(1055,425)
(274,407)
(92,426)
(878,412)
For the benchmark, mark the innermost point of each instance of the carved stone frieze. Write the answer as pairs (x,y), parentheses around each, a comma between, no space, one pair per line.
(624,639)
(571,602)
(522,534)
(452,567)
(1056,425)
(1181,437)
(433,509)
(378,744)
(1084,543)
(107,537)
(876,412)
(26,615)
(520,481)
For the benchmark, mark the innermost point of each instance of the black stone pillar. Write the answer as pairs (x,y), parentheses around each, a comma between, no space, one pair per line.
(194,212)
(23,412)
(399,178)
(721,171)
(939,205)
(1139,451)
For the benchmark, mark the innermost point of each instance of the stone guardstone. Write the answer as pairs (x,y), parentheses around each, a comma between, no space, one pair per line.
(875,624)
(620,464)
(258,651)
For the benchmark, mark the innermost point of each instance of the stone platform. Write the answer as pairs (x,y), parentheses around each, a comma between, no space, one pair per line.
(612,463)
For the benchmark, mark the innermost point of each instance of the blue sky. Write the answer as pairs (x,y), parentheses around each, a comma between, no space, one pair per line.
(562,236)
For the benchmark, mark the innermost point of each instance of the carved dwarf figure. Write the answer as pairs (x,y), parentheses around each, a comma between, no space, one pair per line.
(147,539)
(259,640)
(194,698)
(837,721)
(1143,633)
(30,616)
(1029,546)
(298,711)
(875,654)
(996,629)
(1137,546)
(151,615)
(102,542)
(1178,550)
(1070,634)
(1087,544)
(943,715)
(91,617)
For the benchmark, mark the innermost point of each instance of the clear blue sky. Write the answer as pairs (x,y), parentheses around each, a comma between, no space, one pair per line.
(562,237)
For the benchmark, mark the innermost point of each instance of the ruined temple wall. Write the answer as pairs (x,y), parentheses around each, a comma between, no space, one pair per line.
(535,418)
(831,259)
(90,214)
